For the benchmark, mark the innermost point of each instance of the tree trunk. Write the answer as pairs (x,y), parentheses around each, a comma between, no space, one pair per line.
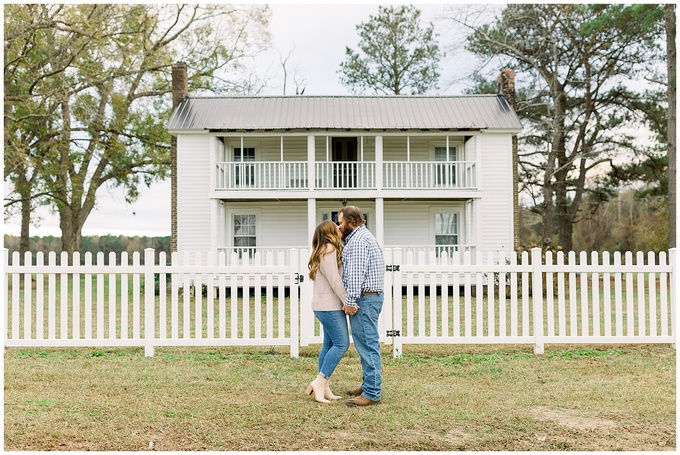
(72,215)
(547,205)
(549,189)
(672,115)
(553,177)
(24,190)
(71,230)
(564,220)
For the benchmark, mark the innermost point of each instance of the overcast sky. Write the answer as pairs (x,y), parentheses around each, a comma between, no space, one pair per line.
(317,35)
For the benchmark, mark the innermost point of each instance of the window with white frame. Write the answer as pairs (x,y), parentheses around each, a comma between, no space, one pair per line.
(445,166)
(446,232)
(244,173)
(245,233)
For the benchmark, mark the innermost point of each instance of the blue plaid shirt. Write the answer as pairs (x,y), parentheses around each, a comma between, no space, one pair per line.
(363,265)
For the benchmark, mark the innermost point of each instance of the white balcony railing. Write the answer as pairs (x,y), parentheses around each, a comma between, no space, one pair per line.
(261,175)
(293,175)
(429,174)
(348,175)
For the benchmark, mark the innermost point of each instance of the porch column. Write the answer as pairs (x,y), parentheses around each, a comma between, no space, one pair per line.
(311,166)
(477,213)
(306,313)
(380,221)
(215,225)
(478,161)
(311,221)
(379,162)
(470,224)
(214,203)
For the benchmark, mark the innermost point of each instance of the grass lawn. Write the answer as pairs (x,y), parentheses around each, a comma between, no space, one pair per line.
(439,398)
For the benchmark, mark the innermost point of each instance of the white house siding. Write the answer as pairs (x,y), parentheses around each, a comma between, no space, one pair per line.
(284,224)
(469,150)
(394,148)
(411,223)
(495,228)
(279,224)
(268,148)
(421,148)
(193,195)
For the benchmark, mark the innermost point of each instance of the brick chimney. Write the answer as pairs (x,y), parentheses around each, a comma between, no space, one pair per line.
(180,89)
(506,86)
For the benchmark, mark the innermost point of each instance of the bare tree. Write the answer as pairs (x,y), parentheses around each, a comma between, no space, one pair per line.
(295,73)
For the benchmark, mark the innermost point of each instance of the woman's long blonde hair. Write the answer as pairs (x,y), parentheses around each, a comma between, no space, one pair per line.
(326,233)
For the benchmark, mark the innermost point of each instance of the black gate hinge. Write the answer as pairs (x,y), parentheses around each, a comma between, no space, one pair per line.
(392,268)
(393,333)
(299,278)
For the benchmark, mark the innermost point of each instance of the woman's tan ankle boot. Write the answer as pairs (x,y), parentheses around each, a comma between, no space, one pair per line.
(318,387)
(328,394)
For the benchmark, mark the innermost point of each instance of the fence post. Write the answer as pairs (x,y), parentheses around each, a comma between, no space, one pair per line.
(386,323)
(537,294)
(673,275)
(149,302)
(295,280)
(307,317)
(5,303)
(397,306)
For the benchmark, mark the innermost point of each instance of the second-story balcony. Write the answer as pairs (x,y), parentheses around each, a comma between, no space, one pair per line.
(396,175)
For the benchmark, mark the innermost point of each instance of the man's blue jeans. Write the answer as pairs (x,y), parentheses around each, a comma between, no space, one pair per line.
(367,341)
(335,340)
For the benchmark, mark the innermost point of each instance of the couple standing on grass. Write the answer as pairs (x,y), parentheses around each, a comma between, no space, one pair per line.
(348,281)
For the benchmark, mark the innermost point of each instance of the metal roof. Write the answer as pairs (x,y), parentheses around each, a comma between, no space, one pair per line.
(344,112)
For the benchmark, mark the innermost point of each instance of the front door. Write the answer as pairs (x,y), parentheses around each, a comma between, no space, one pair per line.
(345,157)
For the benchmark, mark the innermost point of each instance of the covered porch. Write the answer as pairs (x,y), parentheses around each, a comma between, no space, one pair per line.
(434,229)
(345,161)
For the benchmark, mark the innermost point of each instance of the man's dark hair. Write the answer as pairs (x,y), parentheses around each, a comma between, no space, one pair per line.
(352,215)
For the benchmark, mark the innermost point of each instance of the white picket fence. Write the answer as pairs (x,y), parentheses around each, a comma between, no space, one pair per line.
(203,300)
(530,300)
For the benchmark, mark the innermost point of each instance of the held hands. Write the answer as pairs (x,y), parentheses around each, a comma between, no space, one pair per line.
(350,310)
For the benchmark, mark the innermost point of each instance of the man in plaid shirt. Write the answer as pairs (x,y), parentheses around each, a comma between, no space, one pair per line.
(363,266)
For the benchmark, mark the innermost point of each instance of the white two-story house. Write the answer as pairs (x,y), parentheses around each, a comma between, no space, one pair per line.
(259,173)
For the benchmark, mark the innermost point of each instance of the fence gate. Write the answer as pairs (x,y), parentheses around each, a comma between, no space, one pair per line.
(311,331)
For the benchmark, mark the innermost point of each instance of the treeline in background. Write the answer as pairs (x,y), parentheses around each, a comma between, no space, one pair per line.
(625,223)
(94,244)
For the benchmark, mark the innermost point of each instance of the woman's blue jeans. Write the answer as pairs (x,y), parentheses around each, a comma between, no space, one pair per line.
(335,340)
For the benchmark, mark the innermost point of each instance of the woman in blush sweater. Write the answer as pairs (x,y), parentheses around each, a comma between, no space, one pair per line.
(325,270)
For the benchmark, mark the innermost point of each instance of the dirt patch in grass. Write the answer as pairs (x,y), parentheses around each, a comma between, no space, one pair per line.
(573,427)
(572,419)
